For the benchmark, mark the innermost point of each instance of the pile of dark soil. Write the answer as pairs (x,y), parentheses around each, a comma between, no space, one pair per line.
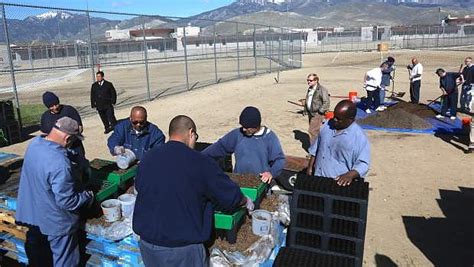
(107,166)
(296,164)
(245,236)
(403,115)
(245,180)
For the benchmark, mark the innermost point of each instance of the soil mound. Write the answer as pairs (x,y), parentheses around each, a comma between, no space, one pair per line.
(403,115)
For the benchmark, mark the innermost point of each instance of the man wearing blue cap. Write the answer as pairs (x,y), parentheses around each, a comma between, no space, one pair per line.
(256,148)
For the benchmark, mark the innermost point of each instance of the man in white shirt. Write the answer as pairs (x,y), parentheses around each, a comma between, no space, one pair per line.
(372,81)
(415,70)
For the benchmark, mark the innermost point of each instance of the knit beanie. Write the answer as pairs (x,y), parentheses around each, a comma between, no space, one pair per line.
(50,99)
(250,118)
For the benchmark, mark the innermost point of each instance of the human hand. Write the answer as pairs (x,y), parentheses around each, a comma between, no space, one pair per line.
(309,171)
(266,177)
(345,179)
(249,204)
(119,150)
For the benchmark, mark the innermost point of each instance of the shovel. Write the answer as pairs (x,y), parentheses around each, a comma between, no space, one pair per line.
(395,94)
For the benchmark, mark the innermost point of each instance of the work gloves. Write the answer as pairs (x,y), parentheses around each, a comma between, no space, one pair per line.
(249,204)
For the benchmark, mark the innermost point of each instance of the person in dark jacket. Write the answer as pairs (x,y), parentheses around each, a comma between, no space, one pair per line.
(256,148)
(136,134)
(103,98)
(177,187)
(448,83)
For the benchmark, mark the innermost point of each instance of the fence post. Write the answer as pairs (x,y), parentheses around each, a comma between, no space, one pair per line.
(145,51)
(271,49)
(238,52)
(185,58)
(255,47)
(91,56)
(12,68)
(30,57)
(215,54)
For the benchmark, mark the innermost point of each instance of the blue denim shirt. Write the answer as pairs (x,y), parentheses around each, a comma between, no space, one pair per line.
(48,196)
(124,135)
(340,152)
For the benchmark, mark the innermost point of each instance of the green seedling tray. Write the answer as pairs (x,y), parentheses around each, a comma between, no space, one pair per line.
(253,192)
(107,189)
(228,221)
(109,171)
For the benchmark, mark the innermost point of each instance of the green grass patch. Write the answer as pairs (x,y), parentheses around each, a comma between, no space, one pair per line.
(31,113)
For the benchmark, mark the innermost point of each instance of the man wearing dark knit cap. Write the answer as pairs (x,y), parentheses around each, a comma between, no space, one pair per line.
(75,152)
(256,148)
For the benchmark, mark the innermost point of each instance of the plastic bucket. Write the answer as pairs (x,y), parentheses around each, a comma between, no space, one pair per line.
(329,115)
(127,202)
(353,96)
(124,160)
(261,221)
(111,210)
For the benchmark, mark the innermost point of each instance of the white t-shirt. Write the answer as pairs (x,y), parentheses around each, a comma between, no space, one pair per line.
(374,79)
(417,69)
(309,101)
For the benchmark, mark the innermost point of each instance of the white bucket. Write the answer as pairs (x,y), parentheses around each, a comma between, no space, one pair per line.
(111,210)
(124,160)
(127,202)
(261,221)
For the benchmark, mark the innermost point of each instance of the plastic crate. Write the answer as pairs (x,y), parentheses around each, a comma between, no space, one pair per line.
(10,132)
(327,218)
(7,111)
(291,257)
(254,192)
(225,163)
(109,171)
(228,221)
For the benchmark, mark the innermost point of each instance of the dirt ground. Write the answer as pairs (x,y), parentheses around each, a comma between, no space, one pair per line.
(418,216)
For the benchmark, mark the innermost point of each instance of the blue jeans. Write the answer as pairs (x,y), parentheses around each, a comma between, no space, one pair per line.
(188,256)
(382,94)
(450,102)
(65,250)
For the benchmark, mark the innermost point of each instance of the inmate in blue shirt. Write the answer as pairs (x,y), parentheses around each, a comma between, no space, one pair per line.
(340,152)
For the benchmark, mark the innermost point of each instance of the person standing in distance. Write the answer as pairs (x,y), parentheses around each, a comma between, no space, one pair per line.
(103,98)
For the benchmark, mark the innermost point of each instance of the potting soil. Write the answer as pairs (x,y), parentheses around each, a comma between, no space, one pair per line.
(245,236)
(245,180)
(403,115)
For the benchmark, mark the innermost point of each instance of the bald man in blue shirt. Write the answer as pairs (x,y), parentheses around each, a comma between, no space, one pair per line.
(342,150)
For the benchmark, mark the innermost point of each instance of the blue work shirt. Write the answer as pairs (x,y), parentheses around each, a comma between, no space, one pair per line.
(124,135)
(176,188)
(48,196)
(448,82)
(340,152)
(254,154)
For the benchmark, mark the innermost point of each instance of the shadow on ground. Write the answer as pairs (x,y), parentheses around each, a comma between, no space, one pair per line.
(303,138)
(446,241)
(384,261)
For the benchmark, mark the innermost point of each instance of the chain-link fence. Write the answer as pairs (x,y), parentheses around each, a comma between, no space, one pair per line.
(145,57)
(396,37)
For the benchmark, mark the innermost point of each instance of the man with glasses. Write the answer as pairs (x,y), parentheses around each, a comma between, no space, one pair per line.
(136,134)
(342,150)
(256,148)
(316,105)
(177,190)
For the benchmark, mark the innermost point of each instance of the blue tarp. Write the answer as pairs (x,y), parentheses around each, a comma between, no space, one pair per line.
(446,125)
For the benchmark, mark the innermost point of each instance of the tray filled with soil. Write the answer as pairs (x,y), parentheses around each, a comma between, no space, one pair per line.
(108,170)
(250,184)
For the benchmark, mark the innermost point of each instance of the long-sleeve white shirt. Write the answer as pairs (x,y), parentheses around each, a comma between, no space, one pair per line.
(417,70)
(374,79)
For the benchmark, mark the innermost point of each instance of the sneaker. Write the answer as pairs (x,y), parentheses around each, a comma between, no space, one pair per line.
(439,116)
(452,118)
(368,111)
(380,108)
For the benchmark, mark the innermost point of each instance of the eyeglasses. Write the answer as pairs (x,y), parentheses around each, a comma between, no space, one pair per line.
(308,80)
(197,135)
(138,122)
